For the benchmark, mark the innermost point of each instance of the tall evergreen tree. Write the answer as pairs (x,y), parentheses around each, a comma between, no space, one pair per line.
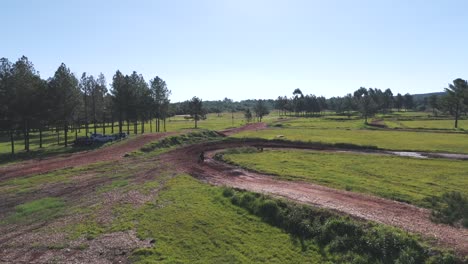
(457,96)
(366,104)
(23,95)
(195,107)
(64,92)
(120,97)
(160,94)
(260,110)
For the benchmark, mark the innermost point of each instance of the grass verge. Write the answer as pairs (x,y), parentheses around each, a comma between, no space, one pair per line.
(396,140)
(343,239)
(37,210)
(400,178)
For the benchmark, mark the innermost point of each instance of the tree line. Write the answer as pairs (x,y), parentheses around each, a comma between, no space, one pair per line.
(62,102)
(366,101)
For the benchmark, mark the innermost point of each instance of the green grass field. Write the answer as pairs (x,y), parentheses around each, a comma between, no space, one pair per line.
(427,124)
(399,178)
(191,221)
(329,122)
(330,128)
(387,139)
(197,224)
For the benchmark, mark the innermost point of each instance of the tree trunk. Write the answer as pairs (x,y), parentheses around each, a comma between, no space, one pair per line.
(86,113)
(164,121)
(195,123)
(66,133)
(40,136)
(12,140)
(25,134)
(135,127)
(94,110)
(128,127)
(456,115)
(151,125)
(142,126)
(120,121)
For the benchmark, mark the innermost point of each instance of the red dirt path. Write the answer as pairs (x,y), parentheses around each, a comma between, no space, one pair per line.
(367,207)
(253,126)
(113,152)
(405,216)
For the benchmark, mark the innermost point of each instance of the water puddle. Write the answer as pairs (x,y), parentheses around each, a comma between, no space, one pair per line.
(409,154)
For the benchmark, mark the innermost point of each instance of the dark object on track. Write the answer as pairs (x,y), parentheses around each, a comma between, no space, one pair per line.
(201,158)
(83,141)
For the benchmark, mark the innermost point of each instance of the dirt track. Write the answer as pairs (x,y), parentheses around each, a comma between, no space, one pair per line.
(184,159)
(113,152)
(366,207)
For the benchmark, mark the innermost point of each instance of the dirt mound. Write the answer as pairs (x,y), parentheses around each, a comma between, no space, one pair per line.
(405,216)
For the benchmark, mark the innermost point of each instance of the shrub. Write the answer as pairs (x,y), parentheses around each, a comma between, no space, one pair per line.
(228,192)
(450,208)
(357,242)
(341,228)
(247,201)
(235,200)
(269,210)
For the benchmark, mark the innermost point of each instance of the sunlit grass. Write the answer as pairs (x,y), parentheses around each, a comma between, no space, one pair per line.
(397,140)
(37,210)
(428,124)
(399,178)
(332,122)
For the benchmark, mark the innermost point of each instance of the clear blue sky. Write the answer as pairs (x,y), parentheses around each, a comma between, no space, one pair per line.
(247,48)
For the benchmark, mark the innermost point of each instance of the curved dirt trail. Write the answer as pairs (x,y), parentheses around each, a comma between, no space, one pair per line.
(252,126)
(113,152)
(405,216)
(184,159)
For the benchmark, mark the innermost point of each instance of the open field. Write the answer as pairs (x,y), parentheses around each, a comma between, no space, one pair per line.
(340,129)
(156,205)
(386,139)
(328,122)
(399,178)
(427,124)
(141,209)
(310,129)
